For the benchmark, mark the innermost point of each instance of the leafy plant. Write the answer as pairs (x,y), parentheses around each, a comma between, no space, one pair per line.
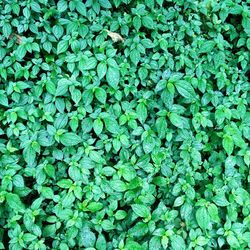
(124,124)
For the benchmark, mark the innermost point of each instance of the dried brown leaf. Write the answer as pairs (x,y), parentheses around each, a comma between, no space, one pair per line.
(18,38)
(115,36)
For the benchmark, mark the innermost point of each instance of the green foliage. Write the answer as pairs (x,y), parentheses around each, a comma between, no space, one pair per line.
(124,124)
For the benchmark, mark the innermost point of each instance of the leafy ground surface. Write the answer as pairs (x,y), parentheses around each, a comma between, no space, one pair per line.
(124,124)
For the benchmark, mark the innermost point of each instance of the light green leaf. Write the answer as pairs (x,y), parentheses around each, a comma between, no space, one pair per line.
(62,46)
(70,139)
(207,46)
(148,22)
(98,126)
(228,144)
(81,8)
(202,217)
(20,52)
(14,202)
(3,99)
(220,199)
(233,241)
(113,77)
(118,185)
(62,87)
(141,210)
(87,63)
(185,89)
(101,69)
(141,112)
(177,243)
(111,125)
(101,95)
(135,56)
(177,120)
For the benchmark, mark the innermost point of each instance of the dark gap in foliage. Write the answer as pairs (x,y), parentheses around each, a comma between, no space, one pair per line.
(226,247)
(168,4)
(248,75)
(30,197)
(6,238)
(49,242)
(29,182)
(235,20)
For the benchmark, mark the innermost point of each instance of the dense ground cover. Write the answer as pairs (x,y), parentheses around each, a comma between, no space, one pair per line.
(124,124)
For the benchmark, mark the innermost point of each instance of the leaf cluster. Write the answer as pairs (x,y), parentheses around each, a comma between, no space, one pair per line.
(124,124)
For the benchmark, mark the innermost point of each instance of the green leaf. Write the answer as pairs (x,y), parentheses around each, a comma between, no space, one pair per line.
(135,56)
(107,225)
(233,241)
(96,157)
(81,8)
(101,242)
(248,43)
(6,30)
(148,144)
(105,4)
(70,139)
(76,95)
(207,47)
(111,125)
(177,120)
(74,173)
(143,73)
(185,89)
(141,210)
(3,99)
(65,183)
(202,217)
(29,155)
(20,52)
(62,46)
(62,87)
(148,22)
(120,215)
(35,6)
(228,144)
(147,43)
(213,212)
(101,95)
(141,112)
(98,126)
(220,199)
(113,77)
(118,185)
(138,230)
(88,238)
(101,69)
(95,206)
(62,5)
(57,31)
(50,171)
(132,245)
(14,202)
(202,241)
(29,237)
(177,242)
(47,193)
(45,139)
(179,201)
(137,22)
(87,63)
(87,96)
